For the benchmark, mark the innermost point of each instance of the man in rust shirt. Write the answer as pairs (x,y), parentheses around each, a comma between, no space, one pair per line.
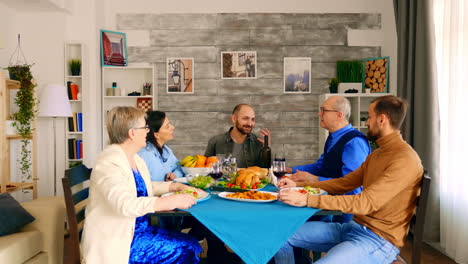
(390,177)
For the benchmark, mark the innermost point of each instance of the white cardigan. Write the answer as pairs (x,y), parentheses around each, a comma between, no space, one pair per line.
(113,207)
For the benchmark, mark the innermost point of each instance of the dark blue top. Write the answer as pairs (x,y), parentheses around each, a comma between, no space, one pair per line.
(153,245)
(345,150)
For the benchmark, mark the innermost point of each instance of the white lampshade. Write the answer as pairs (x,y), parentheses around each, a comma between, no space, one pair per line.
(54,101)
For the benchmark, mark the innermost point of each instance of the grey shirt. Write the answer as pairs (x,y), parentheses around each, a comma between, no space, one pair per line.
(223,144)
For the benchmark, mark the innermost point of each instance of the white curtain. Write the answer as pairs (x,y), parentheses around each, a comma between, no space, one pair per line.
(451,31)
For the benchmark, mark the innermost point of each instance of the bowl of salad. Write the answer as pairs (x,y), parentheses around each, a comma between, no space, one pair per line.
(200,181)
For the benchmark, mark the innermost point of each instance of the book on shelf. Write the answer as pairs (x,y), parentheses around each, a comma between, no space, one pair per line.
(71,144)
(81,149)
(69,90)
(70,124)
(75,122)
(80,121)
(74,91)
(75,127)
(78,150)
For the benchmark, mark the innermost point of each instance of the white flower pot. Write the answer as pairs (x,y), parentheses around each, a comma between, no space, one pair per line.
(343,87)
(9,129)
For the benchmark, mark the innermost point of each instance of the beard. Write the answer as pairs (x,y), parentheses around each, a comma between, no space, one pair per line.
(245,130)
(372,135)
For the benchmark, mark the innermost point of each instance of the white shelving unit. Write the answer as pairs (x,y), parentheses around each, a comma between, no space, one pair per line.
(359,105)
(75,50)
(129,79)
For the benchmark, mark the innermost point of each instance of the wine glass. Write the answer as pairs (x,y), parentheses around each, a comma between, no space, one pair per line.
(216,171)
(279,168)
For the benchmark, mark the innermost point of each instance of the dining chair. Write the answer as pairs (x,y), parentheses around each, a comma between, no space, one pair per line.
(76,192)
(417,222)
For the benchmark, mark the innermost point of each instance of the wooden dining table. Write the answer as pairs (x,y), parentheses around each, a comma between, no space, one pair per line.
(255,231)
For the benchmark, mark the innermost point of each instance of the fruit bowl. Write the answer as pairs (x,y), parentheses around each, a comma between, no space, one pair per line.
(196,170)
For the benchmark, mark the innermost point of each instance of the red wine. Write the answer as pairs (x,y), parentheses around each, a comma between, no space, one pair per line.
(215,175)
(279,174)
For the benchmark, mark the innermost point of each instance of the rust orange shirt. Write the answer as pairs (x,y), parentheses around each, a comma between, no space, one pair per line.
(390,177)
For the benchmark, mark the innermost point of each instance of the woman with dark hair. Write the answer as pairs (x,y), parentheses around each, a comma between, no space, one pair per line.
(161,161)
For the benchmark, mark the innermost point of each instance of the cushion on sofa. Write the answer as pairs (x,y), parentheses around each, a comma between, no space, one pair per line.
(19,247)
(12,215)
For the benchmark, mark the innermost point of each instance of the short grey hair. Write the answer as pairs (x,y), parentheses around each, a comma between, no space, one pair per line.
(344,106)
(120,120)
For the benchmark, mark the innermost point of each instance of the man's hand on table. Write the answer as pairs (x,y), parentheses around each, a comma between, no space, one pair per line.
(170,176)
(286,183)
(293,197)
(302,176)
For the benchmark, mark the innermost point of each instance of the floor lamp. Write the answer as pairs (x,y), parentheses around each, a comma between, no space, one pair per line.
(54,103)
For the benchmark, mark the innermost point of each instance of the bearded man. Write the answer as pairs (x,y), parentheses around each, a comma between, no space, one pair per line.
(244,145)
(390,176)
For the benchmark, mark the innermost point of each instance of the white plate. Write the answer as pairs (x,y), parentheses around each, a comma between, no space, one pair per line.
(183,180)
(201,197)
(322,192)
(224,195)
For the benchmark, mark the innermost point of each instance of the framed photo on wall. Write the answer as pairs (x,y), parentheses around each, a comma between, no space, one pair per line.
(297,74)
(376,73)
(239,65)
(113,48)
(179,75)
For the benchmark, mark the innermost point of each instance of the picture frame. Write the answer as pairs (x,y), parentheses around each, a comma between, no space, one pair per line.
(113,48)
(296,75)
(180,75)
(239,65)
(375,77)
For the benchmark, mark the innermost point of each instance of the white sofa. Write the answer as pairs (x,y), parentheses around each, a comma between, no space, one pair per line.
(42,240)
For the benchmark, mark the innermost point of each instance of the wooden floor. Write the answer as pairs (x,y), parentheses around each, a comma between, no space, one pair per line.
(429,255)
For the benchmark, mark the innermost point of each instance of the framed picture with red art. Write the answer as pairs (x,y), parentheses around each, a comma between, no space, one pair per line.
(113,48)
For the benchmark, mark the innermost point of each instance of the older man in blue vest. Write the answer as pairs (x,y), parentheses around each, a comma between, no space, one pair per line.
(345,149)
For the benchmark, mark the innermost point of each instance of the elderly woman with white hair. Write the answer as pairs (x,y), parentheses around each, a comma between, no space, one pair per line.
(117,227)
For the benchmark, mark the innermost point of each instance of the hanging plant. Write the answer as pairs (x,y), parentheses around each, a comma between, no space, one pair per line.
(26,103)
(23,119)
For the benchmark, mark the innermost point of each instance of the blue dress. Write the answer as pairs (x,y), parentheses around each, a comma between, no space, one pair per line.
(156,245)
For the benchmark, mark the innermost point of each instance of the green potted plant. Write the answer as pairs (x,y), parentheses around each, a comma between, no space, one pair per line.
(350,75)
(333,85)
(363,121)
(75,67)
(24,117)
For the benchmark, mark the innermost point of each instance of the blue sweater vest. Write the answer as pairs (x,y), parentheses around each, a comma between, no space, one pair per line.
(332,162)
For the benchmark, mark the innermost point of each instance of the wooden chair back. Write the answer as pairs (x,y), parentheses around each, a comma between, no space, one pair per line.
(417,222)
(76,192)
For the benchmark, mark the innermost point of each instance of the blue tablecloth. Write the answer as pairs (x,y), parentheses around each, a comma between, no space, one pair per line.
(255,231)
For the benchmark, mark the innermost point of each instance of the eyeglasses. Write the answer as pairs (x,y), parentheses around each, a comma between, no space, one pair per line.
(145,127)
(327,110)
